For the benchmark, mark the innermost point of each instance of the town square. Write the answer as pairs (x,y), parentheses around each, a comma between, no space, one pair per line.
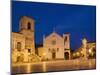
(48,48)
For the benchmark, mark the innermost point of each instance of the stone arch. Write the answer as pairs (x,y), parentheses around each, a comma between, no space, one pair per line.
(20,58)
(67,55)
(28,25)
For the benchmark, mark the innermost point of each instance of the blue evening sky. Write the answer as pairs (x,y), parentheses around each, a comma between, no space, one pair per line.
(78,20)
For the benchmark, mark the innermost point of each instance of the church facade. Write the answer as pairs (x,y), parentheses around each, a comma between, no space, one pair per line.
(56,47)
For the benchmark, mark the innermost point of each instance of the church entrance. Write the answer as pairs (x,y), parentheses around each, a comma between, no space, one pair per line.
(66,55)
(53,55)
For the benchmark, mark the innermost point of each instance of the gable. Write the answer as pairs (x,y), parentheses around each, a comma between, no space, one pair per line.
(53,35)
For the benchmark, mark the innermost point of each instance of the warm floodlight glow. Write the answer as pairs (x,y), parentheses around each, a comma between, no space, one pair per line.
(44,66)
(28,68)
(44,54)
(90,51)
(78,53)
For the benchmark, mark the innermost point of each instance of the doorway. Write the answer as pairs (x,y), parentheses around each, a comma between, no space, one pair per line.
(66,55)
(53,55)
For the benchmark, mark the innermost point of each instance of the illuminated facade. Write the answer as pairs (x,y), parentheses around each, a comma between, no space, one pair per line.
(86,50)
(23,46)
(56,46)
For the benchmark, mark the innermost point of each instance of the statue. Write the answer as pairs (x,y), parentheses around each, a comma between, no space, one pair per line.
(84,43)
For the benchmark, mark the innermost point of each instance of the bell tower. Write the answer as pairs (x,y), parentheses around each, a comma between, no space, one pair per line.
(26,27)
(66,41)
(67,54)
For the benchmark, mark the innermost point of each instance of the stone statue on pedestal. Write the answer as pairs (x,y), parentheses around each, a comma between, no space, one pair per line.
(84,45)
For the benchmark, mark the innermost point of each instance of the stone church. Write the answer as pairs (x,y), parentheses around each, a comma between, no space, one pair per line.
(56,46)
(23,45)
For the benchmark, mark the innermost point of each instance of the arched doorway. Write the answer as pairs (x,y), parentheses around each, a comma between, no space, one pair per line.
(66,55)
(20,58)
(53,55)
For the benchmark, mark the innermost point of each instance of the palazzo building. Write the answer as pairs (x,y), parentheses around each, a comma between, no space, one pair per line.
(23,45)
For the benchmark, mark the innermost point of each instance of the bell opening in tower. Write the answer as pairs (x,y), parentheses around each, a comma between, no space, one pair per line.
(29,26)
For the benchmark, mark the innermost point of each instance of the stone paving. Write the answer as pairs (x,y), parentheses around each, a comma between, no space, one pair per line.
(51,66)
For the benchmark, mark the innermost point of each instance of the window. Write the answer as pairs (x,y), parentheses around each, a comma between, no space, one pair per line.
(57,49)
(19,46)
(29,25)
(18,59)
(29,50)
(65,40)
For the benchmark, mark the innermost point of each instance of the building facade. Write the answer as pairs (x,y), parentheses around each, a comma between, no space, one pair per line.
(56,46)
(86,50)
(23,45)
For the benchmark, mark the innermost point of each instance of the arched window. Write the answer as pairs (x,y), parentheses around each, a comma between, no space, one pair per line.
(29,25)
(19,46)
(65,40)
